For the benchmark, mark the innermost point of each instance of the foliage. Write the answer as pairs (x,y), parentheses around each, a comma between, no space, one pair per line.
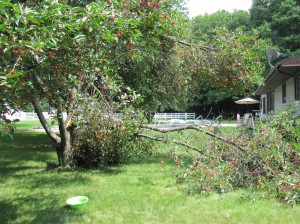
(164,80)
(52,38)
(209,96)
(266,159)
(284,24)
(62,54)
(286,124)
(261,11)
(235,67)
(208,24)
(104,138)
(7,126)
(277,20)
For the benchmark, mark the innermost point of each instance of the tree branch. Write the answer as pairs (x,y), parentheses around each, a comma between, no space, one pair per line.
(163,140)
(44,122)
(207,48)
(198,128)
(41,85)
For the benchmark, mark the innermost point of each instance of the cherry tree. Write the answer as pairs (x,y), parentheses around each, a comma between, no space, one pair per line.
(97,59)
(64,54)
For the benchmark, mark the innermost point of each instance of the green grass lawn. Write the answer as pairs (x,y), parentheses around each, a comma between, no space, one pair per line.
(33,190)
(27,124)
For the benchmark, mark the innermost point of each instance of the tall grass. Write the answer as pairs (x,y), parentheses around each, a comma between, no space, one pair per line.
(34,190)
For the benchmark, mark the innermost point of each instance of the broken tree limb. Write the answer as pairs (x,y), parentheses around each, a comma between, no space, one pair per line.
(167,130)
(207,48)
(175,142)
(198,128)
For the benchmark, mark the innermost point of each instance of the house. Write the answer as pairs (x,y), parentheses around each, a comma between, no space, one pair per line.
(281,87)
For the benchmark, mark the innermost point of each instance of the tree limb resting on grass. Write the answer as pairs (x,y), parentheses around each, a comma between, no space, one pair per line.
(193,127)
(163,140)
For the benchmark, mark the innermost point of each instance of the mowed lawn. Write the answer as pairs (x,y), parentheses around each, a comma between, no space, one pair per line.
(34,190)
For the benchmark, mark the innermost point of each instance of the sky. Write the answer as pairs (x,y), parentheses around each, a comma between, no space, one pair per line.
(200,7)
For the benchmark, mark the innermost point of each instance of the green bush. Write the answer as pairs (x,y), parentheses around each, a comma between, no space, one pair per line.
(102,140)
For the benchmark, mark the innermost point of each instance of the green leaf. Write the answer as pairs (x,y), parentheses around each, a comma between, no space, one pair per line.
(7,3)
(34,20)
(120,22)
(14,75)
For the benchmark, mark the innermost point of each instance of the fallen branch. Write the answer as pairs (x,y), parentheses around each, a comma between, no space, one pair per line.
(194,127)
(207,48)
(175,142)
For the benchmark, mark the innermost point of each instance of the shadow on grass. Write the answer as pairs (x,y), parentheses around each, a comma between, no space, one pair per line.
(34,208)
(8,212)
(13,171)
(38,194)
(33,153)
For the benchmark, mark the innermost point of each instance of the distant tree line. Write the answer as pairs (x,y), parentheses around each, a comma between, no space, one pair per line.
(274,20)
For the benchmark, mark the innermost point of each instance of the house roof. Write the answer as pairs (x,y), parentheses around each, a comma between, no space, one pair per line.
(281,72)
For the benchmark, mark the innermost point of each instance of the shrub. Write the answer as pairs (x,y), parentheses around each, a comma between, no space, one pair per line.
(107,139)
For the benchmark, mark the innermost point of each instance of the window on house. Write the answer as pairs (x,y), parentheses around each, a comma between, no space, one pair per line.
(270,102)
(297,87)
(264,108)
(283,93)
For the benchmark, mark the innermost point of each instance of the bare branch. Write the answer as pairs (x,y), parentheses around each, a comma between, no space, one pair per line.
(167,130)
(198,128)
(160,139)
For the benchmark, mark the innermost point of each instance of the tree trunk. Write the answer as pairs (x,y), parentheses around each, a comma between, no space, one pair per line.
(44,123)
(64,154)
(63,143)
(64,151)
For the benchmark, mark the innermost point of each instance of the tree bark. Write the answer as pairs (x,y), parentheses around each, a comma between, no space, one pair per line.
(62,143)
(64,148)
(39,112)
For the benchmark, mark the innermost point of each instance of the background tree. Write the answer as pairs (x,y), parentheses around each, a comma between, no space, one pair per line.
(208,24)
(278,21)
(285,22)
(262,11)
(235,65)
(234,56)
